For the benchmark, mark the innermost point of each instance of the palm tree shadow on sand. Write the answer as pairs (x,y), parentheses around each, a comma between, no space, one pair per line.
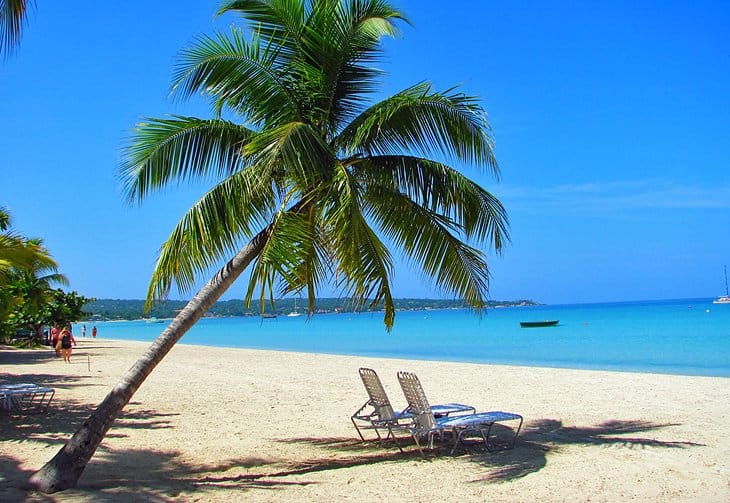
(545,436)
(159,475)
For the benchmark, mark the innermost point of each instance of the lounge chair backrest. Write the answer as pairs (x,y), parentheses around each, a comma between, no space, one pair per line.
(376,392)
(417,402)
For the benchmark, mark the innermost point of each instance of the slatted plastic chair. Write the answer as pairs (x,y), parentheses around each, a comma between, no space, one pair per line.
(424,424)
(25,397)
(378,413)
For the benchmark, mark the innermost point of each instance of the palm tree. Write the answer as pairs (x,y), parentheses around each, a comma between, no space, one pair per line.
(306,180)
(17,252)
(33,285)
(18,255)
(12,19)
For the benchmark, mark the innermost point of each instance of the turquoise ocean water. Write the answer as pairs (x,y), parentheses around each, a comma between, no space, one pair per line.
(689,337)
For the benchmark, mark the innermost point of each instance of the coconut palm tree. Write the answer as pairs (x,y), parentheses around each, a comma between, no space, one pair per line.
(33,285)
(18,252)
(12,18)
(19,257)
(310,184)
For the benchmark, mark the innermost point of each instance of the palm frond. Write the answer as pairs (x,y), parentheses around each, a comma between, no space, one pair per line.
(430,240)
(13,15)
(55,278)
(312,265)
(244,76)
(295,150)
(347,56)
(362,261)
(441,189)
(210,230)
(278,21)
(281,257)
(418,120)
(341,42)
(17,252)
(4,218)
(180,148)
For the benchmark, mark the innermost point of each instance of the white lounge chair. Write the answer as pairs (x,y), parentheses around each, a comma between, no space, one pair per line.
(425,424)
(25,397)
(378,413)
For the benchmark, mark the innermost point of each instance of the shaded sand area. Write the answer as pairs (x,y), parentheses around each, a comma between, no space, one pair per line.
(215,424)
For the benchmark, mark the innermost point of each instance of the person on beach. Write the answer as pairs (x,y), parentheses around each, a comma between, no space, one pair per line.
(66,340)
(93,332)
(83,330)
(54,339)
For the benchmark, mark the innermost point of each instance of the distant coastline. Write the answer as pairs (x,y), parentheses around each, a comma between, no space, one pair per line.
(133,309)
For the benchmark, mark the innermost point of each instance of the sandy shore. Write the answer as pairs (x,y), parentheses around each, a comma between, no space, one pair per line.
(228,424)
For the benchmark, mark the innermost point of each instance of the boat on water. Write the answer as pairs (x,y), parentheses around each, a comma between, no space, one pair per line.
(723,299)
(152,320)
(295,312)
(538,324)
(268,315)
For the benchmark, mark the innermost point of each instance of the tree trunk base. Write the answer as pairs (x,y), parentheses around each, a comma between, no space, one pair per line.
(57,475)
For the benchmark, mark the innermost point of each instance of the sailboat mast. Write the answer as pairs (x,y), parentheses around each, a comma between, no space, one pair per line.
(723,299)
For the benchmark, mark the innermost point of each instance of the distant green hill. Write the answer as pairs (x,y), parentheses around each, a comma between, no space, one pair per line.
(122,309)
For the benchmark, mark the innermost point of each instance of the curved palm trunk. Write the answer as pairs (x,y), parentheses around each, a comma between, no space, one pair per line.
(65,468)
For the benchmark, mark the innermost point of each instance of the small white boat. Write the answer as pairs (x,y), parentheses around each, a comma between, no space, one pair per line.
(294,313)
(723,299)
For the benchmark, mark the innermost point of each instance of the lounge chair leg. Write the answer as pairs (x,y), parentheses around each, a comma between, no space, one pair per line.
(357,428)
(511,445)
(485,437)
(457,439)
(514,439)
(418,444)
(430,441)
(395,440)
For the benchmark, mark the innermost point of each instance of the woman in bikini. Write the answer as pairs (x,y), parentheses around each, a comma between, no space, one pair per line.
(67,339)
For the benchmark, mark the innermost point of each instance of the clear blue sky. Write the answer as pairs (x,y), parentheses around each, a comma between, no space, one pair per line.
(612,124)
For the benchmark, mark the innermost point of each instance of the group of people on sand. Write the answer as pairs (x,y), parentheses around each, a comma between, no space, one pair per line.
(63,340)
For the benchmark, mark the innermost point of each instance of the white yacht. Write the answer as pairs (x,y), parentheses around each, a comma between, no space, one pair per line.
(723,299)
(294,313)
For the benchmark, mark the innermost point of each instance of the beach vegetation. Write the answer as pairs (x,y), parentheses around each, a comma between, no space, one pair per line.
(312,183)
(32,289)
(28,300)
(18,253)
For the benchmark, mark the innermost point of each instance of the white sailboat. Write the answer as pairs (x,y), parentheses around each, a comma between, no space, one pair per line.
(294,313)
(723,299)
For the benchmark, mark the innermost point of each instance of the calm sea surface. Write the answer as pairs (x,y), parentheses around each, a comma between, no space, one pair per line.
(690,337)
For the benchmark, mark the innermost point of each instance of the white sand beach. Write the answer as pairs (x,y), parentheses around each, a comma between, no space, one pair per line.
(215,424)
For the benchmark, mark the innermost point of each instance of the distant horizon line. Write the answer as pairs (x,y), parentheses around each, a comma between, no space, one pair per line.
(535,302)
(98,299)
